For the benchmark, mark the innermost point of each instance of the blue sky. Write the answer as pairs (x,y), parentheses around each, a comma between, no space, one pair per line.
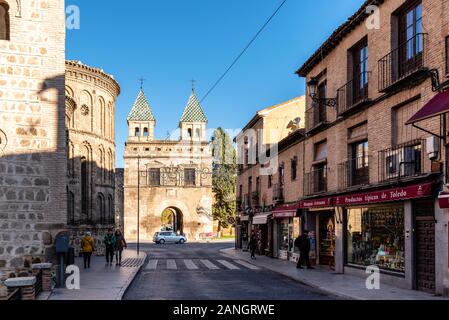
(169,42)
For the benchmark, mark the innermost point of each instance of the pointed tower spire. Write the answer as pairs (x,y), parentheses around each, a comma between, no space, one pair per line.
(193,120)
(141,120)
(193,111)
(141,110)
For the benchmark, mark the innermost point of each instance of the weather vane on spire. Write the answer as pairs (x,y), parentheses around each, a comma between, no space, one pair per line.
(142,80)
(193,84)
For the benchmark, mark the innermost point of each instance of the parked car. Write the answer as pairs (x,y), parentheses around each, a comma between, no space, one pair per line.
(168,237)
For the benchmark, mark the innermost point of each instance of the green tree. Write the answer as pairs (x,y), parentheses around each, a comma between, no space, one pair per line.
(223,178)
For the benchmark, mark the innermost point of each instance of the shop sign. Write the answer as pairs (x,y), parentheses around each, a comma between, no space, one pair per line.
(287,211)
(443,200)
(316,203)
(396,194)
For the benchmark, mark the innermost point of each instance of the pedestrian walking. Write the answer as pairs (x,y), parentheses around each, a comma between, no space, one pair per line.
(120,244)
(109,241)
(303,244)
(87,248)
(253,245)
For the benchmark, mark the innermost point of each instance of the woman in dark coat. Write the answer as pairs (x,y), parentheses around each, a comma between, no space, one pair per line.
(253,245)
(120,244)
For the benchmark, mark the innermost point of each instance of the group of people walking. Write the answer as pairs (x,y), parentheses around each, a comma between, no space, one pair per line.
(114,243)
(302,243)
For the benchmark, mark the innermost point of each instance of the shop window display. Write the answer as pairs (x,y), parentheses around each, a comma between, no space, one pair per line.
(375,236)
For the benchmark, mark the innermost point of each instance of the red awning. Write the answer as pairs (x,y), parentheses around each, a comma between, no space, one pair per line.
(286,211)
(437,106)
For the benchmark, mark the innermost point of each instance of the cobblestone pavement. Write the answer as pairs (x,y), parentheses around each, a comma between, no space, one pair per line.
(198,271)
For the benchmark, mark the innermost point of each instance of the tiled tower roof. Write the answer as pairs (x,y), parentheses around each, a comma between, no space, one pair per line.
(141,110)
(193,111)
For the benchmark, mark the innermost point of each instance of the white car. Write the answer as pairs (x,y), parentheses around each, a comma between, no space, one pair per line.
(168,237)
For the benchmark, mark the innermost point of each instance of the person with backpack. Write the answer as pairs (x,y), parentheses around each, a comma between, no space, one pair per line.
(87,248)
(109,242)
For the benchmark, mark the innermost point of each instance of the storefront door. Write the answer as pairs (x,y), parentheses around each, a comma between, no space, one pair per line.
(327,238)
(425,245)
(425,254)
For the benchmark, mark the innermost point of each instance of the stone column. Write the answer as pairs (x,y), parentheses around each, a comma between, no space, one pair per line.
(46,275)
(26,286)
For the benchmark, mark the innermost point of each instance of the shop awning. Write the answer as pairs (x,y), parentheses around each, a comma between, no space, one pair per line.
(435,107)
(244,218)
(286,211)
(261,218)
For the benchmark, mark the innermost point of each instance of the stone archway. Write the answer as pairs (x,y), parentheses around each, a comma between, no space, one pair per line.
(172,219)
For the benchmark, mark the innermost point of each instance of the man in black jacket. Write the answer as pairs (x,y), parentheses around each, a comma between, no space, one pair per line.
(303,244)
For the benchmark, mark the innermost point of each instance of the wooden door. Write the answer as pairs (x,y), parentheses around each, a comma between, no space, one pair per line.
(425,254)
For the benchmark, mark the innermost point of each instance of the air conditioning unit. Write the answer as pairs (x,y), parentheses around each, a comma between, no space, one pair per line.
(433,147)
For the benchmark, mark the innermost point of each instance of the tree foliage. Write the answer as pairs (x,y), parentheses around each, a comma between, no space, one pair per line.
(224,177)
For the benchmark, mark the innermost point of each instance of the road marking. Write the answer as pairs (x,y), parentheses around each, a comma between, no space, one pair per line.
(247,265)
(209,265)
(152,265)
(228,265)
(190,265)
(171,265)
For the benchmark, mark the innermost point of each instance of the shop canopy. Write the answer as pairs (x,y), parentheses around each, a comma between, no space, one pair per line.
(437,106)
(261,218)
(286,211)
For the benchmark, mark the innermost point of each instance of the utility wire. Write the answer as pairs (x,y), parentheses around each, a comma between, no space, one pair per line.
(243,51)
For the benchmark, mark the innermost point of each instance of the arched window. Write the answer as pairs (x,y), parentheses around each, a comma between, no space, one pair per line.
(189,131)
(4,21)
(70,207)
(101,212)
(111,210)
(137,132)
(198,132)
(84,186)
(145,132)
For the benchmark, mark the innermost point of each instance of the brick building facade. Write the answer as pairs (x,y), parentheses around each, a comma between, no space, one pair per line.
(369,179)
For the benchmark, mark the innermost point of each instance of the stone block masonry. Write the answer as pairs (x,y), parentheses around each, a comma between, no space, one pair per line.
(32,133)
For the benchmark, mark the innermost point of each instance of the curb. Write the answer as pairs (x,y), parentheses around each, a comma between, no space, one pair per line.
(311,285)
(131,278)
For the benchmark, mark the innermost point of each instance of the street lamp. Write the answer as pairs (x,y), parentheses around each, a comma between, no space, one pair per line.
(138,204)
(313,93)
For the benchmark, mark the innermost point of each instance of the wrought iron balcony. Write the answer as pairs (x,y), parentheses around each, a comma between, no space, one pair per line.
(354,172)
(278,193)
(316,117)
(403,62)
(239,204)
(255,198)
(405,160)
(315,181)
(246,201)
(353,93)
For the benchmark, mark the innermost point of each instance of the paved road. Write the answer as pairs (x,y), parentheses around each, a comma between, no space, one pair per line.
(199,272)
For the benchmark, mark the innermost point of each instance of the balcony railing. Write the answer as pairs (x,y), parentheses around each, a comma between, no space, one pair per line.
(255,199)
(402,62)
(353,93)
(354,172)
(316,116)
(315,181)
(405,160)
(239,204)
(246,201)
(278,193)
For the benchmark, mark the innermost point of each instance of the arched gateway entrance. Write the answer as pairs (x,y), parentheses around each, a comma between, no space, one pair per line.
(172,220)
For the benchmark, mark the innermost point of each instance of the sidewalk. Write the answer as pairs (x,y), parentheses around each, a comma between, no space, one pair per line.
(102,282)
(345,286)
